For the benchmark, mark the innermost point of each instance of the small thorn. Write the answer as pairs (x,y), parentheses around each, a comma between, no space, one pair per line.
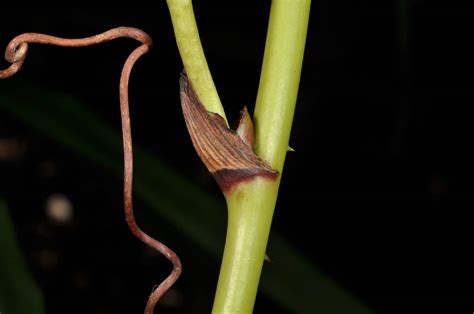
(268,259)
(290,149)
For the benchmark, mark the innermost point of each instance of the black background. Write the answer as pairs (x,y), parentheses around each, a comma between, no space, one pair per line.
(379,190)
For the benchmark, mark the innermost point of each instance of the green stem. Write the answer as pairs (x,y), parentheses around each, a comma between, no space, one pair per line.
(192,54)
(280,79)
(251,205)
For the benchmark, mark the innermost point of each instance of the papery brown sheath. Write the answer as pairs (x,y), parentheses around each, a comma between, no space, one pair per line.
(16,53)
(227,154)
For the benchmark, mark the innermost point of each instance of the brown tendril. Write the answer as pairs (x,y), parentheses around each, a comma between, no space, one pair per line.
(16,53)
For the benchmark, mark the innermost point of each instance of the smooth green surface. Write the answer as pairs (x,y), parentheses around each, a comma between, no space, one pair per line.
(195,214)
(192,54)
(252,204)
(18,291)
(249,222)
(280,78)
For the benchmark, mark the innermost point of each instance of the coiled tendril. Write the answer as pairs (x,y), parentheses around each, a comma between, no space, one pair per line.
(16,52)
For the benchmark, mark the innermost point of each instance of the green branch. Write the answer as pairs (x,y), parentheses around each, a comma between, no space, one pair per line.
(194,60)
(280,79)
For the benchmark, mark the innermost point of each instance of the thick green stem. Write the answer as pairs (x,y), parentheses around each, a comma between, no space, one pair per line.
(251,204)
(250,217)
(192,54)
(280,79)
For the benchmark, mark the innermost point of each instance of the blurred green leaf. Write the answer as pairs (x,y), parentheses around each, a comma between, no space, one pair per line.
(291,280)
(18,292)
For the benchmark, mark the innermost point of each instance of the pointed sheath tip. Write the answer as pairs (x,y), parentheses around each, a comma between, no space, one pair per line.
(245,128)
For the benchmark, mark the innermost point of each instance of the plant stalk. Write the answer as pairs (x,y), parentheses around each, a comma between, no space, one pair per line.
(192,54)
(251,204)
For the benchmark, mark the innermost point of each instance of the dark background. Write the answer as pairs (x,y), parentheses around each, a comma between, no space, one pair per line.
(379,190)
